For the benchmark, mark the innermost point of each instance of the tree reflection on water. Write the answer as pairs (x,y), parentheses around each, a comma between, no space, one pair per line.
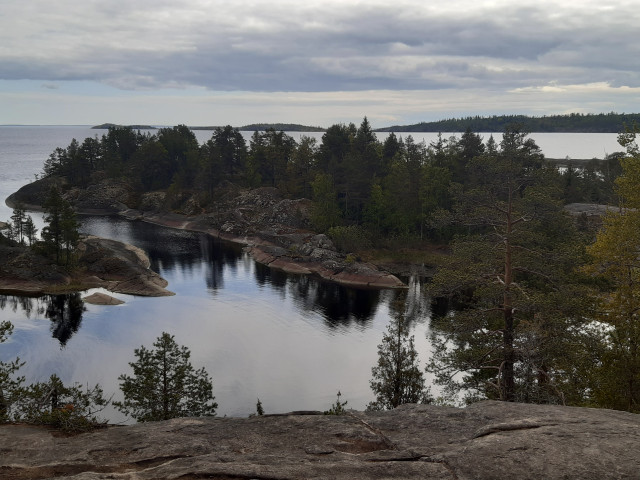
(65,311)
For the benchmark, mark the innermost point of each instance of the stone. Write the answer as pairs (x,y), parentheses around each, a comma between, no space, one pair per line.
(100,298)
(487,440)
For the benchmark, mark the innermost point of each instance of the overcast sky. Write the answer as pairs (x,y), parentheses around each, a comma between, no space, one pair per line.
(209,62)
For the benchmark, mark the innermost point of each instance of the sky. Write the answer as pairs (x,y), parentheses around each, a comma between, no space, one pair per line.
(211,62)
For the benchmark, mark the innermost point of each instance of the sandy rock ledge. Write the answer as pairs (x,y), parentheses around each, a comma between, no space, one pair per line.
(488,440)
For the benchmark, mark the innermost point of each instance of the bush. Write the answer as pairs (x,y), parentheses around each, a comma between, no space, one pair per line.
(71,409)
(350,239)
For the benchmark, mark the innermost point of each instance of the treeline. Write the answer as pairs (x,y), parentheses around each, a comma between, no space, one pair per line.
(397,188)
(287,127)
(574,122)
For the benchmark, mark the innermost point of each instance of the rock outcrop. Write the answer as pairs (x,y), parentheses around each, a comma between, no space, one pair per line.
(276,231)
(109,264)
(488,440)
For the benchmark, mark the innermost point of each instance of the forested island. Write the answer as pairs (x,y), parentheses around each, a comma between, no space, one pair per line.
(574,122)
(107,126)
(287,127)
(531,304)
(569,123)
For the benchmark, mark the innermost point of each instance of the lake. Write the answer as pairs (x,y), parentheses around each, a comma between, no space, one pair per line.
(291,341)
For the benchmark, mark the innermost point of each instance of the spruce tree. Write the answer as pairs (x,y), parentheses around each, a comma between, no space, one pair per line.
(397,378)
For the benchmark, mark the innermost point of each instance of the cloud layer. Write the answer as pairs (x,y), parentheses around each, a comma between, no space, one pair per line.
(322,46)
(488,47)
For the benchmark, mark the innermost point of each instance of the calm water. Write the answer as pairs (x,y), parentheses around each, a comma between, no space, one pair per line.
(290,340)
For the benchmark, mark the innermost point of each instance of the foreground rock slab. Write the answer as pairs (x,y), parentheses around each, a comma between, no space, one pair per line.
(488,440)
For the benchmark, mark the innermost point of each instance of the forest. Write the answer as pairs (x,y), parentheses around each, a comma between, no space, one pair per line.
(398,188)
(539,306)
(573,122)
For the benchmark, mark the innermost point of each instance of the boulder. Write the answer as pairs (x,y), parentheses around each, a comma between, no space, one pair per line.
(99,298)
(488,440)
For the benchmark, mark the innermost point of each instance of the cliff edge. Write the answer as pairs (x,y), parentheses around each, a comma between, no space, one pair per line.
(487,440)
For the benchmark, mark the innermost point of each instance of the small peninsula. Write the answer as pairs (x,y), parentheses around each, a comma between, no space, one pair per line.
(100,263)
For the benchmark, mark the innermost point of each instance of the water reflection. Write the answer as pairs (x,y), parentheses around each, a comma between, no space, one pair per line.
(65,311)
(26,304)
(175,250)
(290,340)
(216,256)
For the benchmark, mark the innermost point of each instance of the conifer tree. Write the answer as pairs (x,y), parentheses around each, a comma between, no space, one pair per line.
(30,230)
(18,223)
(165,385)
(512,277)
(615,257)
(9,384)
(397,378)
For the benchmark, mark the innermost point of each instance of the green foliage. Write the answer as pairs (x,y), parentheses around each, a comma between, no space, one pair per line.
(615,259)
(574,122)
(165,385)
(326,212)
(18,221)
(21,226)
(271,152)
(224,158)
(301,168)
(61,231)
(397,378)
(350,239)
(72,409)
(513,275)
(259,409)
(30,230)
(10,385)
(337,408)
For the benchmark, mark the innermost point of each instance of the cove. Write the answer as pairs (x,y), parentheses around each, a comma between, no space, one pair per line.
(291,340)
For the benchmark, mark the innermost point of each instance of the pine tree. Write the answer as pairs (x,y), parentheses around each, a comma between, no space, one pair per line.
(18,222)
(61,231)
(165,385)
(30,230)
(512,276)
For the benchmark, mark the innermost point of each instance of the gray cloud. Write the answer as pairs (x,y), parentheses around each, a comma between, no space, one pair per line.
(324,46)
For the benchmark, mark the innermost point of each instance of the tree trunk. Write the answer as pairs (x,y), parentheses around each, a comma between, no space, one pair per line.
(508,382)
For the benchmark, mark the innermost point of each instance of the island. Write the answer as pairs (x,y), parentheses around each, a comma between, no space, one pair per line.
(107,126)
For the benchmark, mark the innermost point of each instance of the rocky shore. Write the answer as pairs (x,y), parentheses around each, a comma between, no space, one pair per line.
(100,263)
(487,440)
(275,231)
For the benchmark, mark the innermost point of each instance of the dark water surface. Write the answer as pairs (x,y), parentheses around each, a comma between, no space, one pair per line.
(293,341)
